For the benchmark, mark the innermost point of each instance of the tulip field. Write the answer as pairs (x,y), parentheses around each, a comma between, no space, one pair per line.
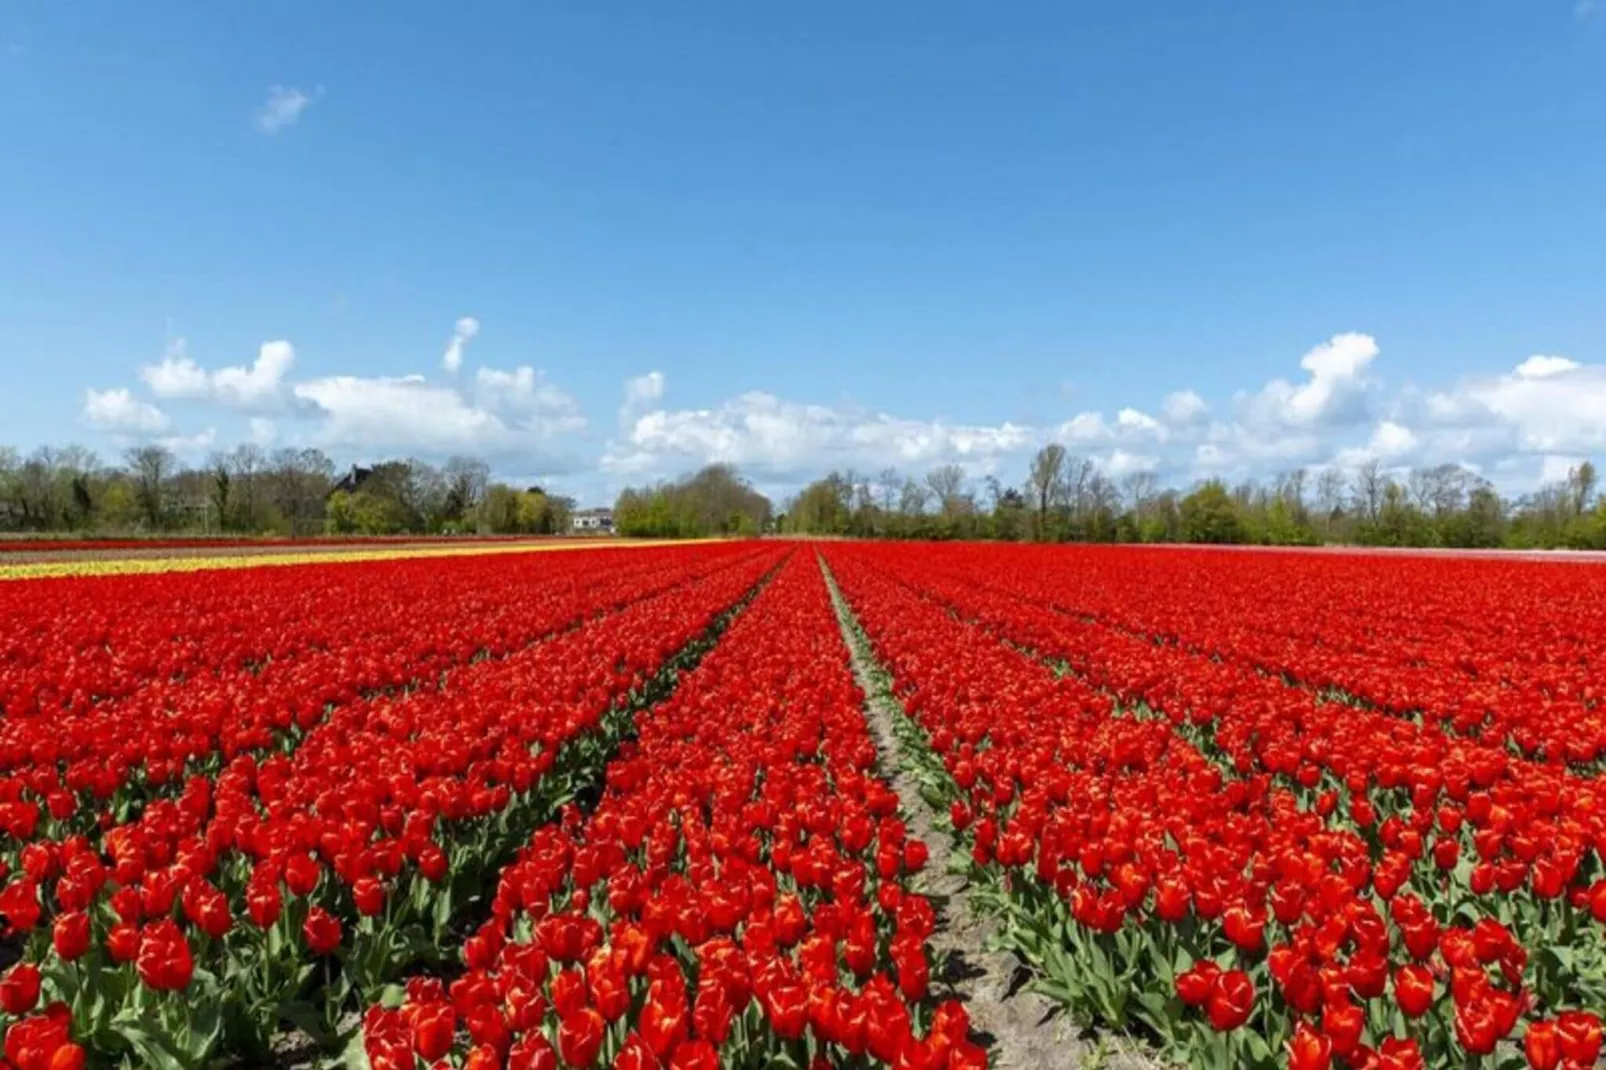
(645,807)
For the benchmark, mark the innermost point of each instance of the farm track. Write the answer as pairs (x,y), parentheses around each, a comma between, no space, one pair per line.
(1021,1028)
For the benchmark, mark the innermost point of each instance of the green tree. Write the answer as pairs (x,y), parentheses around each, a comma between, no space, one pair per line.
(1209,515)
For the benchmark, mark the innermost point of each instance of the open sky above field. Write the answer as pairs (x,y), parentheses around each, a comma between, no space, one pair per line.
(601,244)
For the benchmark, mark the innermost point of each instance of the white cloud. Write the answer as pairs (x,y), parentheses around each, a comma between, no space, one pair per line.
(641,392)
(259,386)
(1136,423)
(1183,407)
(1546,404)
(118,412)
(1585,9)
(176,375)
(401,412)
(1535,418)
(1540,367)
(774,438)
(1555,468)
(1390,443)
(190,446)
(283,107)
(526,392)
(1082,428)
(511,412)
(1120,463)
(463,332)
(1334,393)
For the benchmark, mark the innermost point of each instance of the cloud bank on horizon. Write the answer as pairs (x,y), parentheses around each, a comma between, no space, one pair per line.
(1517,427)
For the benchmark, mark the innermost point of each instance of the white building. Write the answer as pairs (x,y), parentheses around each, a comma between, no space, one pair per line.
(592,522)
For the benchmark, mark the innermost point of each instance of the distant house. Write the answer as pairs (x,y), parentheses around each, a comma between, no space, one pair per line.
(592,522)
(352,481)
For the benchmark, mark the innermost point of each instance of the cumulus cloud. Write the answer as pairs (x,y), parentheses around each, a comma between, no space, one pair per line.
(526,392)
(257,386)
(777,439)
(641,393)
(1389,443)
(190,446)
(1540,367)
(1546,404)
(1334,391)
(118,412)
(1082,428)
(508,412)
(176,375)
(283,107)
(463,332)
(1141,424)
(1183,407)
(1538,417)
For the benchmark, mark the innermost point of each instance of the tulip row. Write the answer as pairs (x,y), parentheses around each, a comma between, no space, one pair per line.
(738,897)
(1245,871)
(292,884)
(1400,775)
(249,679)
(71,646)
(35,546)
(1496,651)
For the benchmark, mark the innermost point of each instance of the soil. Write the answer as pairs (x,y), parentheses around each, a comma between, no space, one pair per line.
(1021,1029)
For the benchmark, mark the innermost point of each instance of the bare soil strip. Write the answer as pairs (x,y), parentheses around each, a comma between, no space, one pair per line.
(1021,1028)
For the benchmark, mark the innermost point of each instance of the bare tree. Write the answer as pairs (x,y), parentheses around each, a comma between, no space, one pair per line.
(1330,496)
(1581,486)
(947,484)
(300,482)
(466,479)
(1079,474)
(222,490)
(1139,490)
(995,493)
(914,498)
(1047,481)
(891,483)
(246,463)
(1370,486)
(151,467)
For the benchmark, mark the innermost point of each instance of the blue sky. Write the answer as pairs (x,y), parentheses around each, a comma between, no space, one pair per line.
(1193,238)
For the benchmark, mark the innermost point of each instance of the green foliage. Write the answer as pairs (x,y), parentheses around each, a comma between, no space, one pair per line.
(1210,515)
(714,501)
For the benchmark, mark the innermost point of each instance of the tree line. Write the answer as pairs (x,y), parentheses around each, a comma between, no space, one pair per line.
(252,491)
(1065,498)
(714,501)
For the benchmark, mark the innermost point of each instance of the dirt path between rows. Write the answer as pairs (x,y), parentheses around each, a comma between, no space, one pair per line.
(1021,1029)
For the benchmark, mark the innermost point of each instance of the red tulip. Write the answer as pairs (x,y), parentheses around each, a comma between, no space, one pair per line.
(1579,1034)
(1309,1050)
(580,1037)
(1414,990)
(321,930)
(1232,1000)
(19,989)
